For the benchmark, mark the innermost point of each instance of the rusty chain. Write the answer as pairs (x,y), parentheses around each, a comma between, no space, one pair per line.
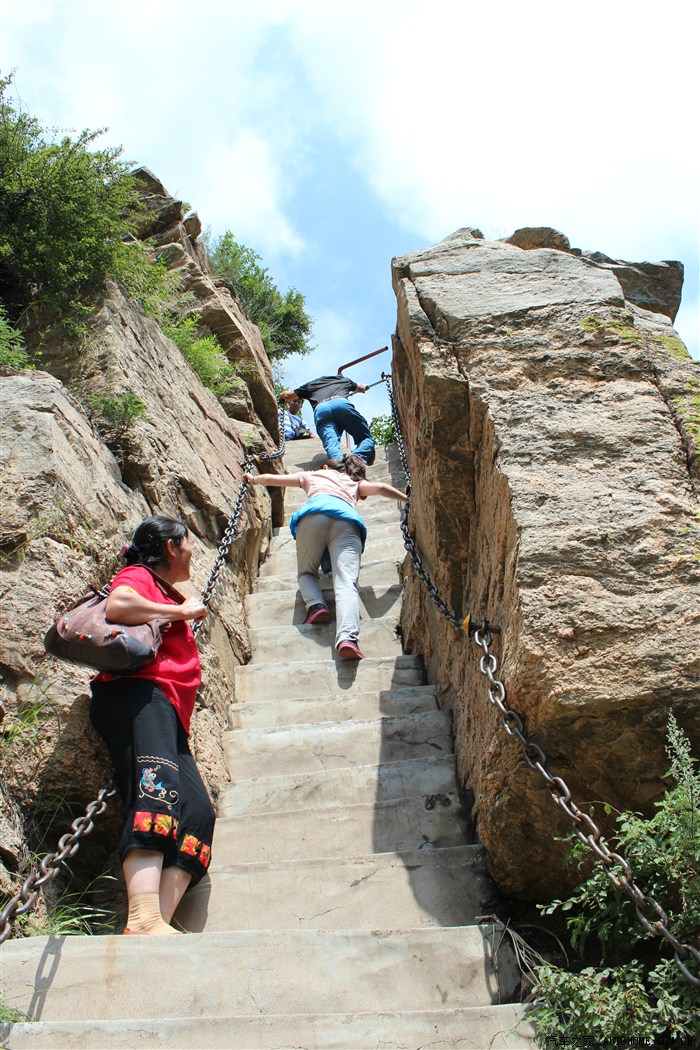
(618,870)
(68,844)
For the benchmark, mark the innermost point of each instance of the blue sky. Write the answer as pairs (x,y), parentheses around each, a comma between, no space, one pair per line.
(331,136)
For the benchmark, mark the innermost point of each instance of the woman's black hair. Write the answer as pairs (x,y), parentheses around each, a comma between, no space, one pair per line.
(150,540)
(355,467)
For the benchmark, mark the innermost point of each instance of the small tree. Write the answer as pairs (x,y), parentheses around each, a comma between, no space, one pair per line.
(12,351)
(284,324)
(65,210)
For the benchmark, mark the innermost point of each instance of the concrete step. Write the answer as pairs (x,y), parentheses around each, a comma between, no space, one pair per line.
(377,638)
(330,745)
(306,679)
(361,707)
(378,574)
(419,822)
(430,779)
(281,608)
(386,547)
(256,972)
(445,887)
(469,1028)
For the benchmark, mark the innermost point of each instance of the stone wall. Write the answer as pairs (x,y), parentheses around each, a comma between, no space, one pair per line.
(67,503)
(551,419)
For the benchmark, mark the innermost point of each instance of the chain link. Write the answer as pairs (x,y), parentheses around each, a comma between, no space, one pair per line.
(649,912)
(51,863)
(68,845)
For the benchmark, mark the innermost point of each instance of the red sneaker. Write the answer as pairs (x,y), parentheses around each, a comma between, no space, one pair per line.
(349,651)
(317,614)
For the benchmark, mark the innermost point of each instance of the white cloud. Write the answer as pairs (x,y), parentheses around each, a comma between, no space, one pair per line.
(509,114)
(244,187)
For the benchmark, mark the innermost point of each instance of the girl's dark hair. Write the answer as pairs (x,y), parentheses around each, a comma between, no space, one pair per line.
(355,467)
(351,465)
(151,536)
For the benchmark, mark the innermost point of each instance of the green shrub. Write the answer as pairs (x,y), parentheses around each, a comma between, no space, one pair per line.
(12,352)
(204,355)
(637,996)
(116,413)
(155,287)
(65,208)
(382,430)
(284,325)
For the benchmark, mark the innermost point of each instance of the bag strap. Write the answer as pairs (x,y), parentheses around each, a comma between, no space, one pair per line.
(166,587)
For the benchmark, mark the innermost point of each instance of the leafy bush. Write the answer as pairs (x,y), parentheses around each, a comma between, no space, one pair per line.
(12,352)
(382,430)
(65,208)
(117,413)
(636,997)
(155,287)
(205,356)
(284,325)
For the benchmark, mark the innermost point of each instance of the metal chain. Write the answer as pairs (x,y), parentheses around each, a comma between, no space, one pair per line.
(649,912)
(68,844)
(50,864)
(234,521)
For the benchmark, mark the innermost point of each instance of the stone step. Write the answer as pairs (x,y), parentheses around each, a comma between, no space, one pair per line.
(256,972)
(305,679)
(397,825)
(281,608)
(431,779)
(378,574)
(501,1027)
(310,642)
(361,707)
(445,887)
(386,547)
(330,745)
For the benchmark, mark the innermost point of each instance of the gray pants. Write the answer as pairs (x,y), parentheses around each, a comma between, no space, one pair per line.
(315,532)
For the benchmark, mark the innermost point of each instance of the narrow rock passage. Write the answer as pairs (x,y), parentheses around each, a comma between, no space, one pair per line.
(341,907)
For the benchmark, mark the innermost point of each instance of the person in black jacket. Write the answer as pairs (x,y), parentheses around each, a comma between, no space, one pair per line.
(334,414)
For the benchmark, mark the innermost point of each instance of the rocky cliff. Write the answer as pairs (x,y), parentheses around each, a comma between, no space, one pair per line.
(68,502)
(551,416)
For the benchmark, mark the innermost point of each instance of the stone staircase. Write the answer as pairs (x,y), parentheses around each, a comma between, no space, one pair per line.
(341,908)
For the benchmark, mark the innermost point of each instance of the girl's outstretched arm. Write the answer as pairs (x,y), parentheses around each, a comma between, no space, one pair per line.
(284,481)
(379,488)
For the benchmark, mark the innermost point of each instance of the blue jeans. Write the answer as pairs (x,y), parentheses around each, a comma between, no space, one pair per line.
(337,415)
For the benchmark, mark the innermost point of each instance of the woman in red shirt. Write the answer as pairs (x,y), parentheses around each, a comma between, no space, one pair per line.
(145,720)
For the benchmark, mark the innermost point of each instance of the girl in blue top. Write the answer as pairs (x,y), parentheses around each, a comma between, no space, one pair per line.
(329,520)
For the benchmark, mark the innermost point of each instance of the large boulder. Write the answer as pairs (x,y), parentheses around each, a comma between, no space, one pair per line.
(551,427)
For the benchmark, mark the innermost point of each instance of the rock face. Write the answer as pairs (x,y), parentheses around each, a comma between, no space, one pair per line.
(552,429)
(68,503)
